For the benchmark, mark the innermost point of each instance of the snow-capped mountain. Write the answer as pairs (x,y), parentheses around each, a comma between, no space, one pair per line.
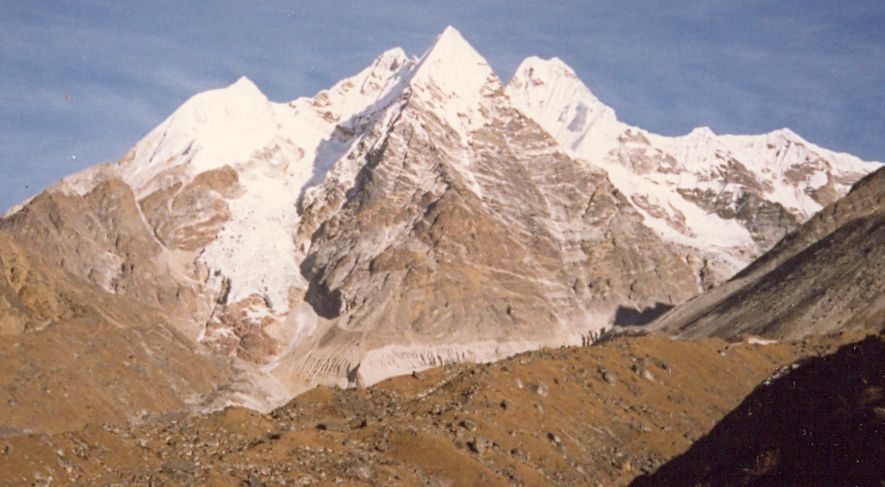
(417,213)
(727,197)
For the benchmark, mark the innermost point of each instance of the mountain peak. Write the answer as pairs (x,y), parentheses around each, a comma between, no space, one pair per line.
(551,80)
(243,90)
(786,133)
(371,86)
(450,36)
(211,129)
(392,59)
(243,84)
(450,58)
(534,64)
(702,132)
(550,92)
(454,69)
(240,92)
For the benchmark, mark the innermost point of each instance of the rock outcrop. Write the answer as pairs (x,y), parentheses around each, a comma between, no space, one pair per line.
(74,354)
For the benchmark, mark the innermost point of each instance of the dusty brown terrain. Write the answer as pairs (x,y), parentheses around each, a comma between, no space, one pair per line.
(78,370)
(822,423)
(597,415)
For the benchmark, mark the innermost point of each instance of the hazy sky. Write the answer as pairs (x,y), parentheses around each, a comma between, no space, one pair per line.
(82,81)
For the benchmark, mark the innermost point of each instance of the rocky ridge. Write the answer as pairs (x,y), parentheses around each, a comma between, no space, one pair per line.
(71,352)
(824,276)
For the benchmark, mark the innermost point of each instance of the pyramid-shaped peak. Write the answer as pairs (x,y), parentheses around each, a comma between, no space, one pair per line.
(243,83)
(456,79)
(450,48)
(453,64)
(244,86)
(450,36)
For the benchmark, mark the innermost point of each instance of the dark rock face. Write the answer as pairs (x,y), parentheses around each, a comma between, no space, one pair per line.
(627,316)
(170,211)
(766,221)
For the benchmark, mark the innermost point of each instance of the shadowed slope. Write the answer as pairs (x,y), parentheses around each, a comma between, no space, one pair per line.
(820,424)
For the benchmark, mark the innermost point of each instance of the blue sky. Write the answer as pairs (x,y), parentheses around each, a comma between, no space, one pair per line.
(82,81)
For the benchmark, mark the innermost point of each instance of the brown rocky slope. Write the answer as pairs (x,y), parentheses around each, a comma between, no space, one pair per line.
(72,353)
(597,415)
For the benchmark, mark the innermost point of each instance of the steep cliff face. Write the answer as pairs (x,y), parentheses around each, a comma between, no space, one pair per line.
(823,277)
(417,213)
